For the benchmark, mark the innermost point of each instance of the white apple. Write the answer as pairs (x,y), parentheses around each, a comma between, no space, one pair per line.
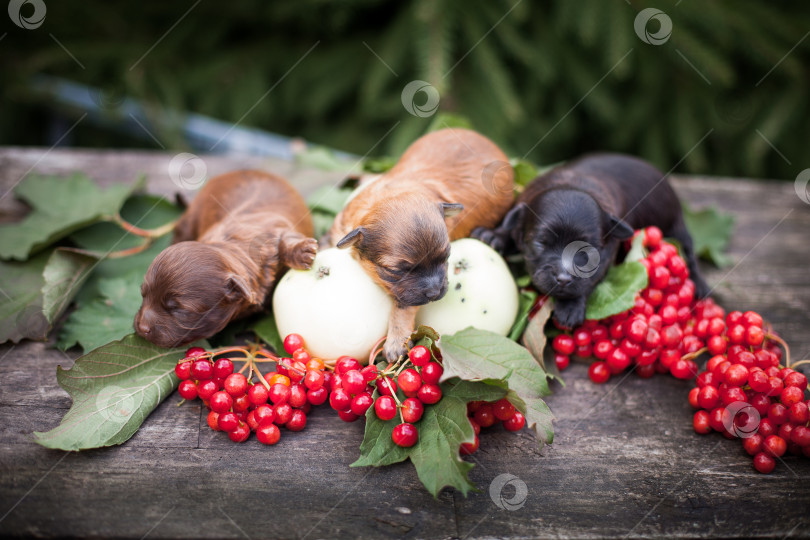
(481,292)
(335,306)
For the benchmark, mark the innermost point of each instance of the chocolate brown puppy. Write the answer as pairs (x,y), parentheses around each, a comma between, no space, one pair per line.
(400,225)
(570,221)
(235,239)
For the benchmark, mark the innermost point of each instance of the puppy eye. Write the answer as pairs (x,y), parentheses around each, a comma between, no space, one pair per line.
(171,304)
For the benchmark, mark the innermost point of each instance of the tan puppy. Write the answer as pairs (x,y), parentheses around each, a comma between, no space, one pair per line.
(233,242)
(400,225)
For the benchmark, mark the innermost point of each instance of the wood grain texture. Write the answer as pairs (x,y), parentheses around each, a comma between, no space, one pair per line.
(624,463)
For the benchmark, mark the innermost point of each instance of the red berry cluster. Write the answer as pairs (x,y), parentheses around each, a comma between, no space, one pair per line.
(664,326)
(419,386)
(484,414)
(744,393)
(238,406)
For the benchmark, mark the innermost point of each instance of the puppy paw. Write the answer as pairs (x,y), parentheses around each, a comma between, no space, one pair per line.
(569,313)
(393,350)
(489,237)
(302,254)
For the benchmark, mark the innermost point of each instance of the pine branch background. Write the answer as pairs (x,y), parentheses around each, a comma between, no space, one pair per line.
(547,80)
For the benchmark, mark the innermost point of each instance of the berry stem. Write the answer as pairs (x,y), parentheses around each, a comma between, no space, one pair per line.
(693,355)
(784,345)
(145,233)
(376,349)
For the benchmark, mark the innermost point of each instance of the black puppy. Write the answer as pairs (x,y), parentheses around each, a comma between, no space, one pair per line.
(570,221)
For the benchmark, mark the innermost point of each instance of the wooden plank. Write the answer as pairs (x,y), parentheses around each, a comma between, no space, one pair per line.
(625,461)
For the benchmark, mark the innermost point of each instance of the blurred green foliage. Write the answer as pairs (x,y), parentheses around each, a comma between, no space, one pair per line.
(725,94)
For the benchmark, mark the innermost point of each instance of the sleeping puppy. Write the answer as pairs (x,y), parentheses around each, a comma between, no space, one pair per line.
(400,225)
(570,221)
(229,247)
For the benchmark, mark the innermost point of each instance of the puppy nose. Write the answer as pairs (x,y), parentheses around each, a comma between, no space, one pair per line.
(144,329)
(434,293)
(142,324)
(564,278)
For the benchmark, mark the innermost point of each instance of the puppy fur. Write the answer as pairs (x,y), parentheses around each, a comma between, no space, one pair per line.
(229,247)
(400,225)
(598,199)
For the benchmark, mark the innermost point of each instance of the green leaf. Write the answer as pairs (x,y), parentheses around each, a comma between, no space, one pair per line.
(474,354)
(113,388)
(268,332)
(142,210)
(449,120)
(322,222)
(328,200)
(379,165)
(525,304)
(617,292)
(114,268)
(59,207)
(21,314)
(711,231)
(322,158)
(637,251)
(525,172)
(107,317)
(442,429)
(64,275)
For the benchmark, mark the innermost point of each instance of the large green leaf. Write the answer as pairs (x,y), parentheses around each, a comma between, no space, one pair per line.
(107,317)
(64,275)
(711,231)
(617,291)
(59,207)
(442,429)
(474,354)
(21,314)
(113,388)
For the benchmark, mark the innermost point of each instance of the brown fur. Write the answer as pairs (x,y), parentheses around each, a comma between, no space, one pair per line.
(229,247)
(400,231)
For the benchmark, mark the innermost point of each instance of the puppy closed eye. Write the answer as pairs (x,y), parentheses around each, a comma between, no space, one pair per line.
(391,274)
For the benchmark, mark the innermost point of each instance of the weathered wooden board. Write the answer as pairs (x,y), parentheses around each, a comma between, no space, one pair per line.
(625,461)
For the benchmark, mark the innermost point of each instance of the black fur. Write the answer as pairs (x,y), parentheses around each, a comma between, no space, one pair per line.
(570,221)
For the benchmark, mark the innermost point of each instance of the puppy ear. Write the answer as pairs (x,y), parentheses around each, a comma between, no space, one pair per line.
(450,209)
(351,238)
(618,229)
(237,289)
(513,223)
